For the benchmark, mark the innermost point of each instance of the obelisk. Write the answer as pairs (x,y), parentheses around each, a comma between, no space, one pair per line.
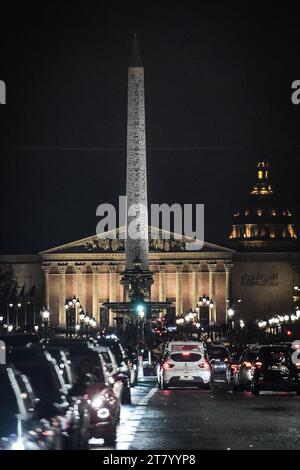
(136,245)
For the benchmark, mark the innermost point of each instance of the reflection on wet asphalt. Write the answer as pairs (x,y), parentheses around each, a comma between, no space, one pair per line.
(201,419)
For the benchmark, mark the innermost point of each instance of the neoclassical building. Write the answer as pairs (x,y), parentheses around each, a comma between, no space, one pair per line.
(259,267)
(90,269)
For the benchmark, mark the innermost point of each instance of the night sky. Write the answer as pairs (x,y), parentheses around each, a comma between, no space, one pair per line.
(218,87)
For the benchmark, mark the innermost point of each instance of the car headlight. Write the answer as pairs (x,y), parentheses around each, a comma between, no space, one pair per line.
(103,413)
(97,402)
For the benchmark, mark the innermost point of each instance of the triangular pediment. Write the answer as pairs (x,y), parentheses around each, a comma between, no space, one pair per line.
(113,241)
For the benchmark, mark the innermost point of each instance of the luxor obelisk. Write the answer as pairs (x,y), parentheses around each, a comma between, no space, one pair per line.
(137,244)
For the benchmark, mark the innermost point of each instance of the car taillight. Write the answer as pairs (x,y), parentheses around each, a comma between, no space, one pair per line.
(168,365)
(258,365)
(247,364)
(233,366)
(298,365)
(204,365)
(226,359)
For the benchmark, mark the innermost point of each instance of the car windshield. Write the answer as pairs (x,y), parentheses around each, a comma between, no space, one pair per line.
(218,353)
(185,357)
(249,356)
(87,363)
(106,357)
(41,372)
(275,357)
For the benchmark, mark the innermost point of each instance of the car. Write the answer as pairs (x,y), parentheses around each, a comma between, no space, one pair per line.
(243,372)
(121,381)
(20,426)
(274,370)
(232,365)
(19,339)
(63,361)
(64,411)
(185,364)
(218,356)
(92,382)
(124,361)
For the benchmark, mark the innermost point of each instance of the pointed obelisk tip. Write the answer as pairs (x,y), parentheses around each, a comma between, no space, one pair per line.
(135,59)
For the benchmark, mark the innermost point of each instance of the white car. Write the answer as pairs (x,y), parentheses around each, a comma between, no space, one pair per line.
(185,363)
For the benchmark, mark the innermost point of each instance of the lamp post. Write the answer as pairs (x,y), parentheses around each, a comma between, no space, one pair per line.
(204,309)
(9,308)
(45,314)
(81,321)
(86,324)
(18,306)
(230,314)
(72,308)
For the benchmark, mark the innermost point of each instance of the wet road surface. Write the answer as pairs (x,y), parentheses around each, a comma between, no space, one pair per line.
(192,419)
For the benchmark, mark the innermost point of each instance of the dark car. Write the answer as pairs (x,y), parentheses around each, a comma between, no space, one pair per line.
(20,427)
(232,364)
(62,410)
(218,356)
(64,363)
(243,372)
(121,381)
(19,339)
(91,381)
(274,370)
(125,362)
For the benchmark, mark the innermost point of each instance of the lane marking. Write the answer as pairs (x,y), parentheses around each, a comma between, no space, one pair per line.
(126,436)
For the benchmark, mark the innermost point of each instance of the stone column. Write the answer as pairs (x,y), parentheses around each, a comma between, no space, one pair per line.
(162,283)
(195,292)
(96,306)
(62,269)
(212,267)
(46,269)
(80,284)
(228,267)
(179,268)
(112,290)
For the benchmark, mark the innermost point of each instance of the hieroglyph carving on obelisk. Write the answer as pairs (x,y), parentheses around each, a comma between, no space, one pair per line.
(136,181)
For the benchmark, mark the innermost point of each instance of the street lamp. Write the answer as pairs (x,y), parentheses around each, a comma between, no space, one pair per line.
(45,314)
(205,306)
(72,308)
(10,328)
(230,312)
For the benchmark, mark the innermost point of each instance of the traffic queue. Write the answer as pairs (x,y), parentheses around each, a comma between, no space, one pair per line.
(61,394)
(255,368)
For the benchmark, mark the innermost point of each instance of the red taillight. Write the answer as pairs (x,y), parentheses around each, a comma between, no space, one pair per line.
(168,365)
(258,365)
(204,365)
(233,366)
(247,364)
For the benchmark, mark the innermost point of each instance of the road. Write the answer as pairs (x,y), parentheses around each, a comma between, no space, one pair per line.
(199,419)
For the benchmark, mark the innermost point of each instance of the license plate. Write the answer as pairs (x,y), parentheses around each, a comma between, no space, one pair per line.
(187,378)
